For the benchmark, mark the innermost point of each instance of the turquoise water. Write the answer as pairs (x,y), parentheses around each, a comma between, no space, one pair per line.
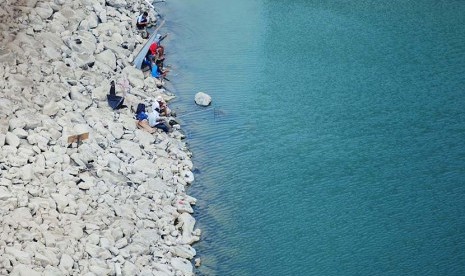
(335,142)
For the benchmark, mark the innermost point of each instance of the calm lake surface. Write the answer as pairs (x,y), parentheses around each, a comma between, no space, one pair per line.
(335,141)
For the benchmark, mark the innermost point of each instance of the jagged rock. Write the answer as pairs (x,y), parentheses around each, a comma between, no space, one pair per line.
(52,271)
(188,176)
(108,58)
(5,193)
(182,265)
(23,270)
(203,99)
(12,140)
(198,262)
(129,269)
(183,251)
(130,148)
(20,133)
(187,223)
(15,123)
(27,172)
(116,3)
(61,200)
(100,93)
(21,256)
(116,129)
(135,76)
(66,262)
(44,11)
(51,108)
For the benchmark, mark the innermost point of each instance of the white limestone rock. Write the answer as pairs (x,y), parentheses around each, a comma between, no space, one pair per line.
(116,3)
(66,262)
(51,108)
(116,129)
(108,58)
(21,256)
(5,194)
(203,99)
(131,148)
(27,172)
(100,93)
(79,99)
(44,11)
(188,176)
(12,140)
(20,133)
(129,269)
(135,76)
(51,54)
(187,223)
(23,270)
(144,137)
(182,265)
(15,123)
(183,251)
(61,201)
(92,20)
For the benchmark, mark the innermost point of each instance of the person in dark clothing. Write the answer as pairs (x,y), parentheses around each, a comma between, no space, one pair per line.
(142,21)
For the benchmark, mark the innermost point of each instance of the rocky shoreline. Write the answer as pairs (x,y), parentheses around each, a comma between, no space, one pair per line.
(114,205)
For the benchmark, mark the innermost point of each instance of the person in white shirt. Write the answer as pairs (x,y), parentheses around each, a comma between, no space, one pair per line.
(155,120)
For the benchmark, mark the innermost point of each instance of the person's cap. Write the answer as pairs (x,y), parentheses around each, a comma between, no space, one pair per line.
(159,99)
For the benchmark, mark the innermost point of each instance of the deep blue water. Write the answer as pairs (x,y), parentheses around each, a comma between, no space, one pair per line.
(335,141)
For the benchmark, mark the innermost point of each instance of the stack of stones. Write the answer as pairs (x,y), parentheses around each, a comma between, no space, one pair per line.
(114,205)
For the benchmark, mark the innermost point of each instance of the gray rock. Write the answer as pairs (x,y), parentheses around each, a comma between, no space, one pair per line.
(129,269)
(15,123)
(183,251)
(131,148)
(12,140)
(182,265)
(116,129)
(51,108)
(61,200)
(203,99)
(135,76)
(21,256)
(5,193)
(23,270)
(100,93)
(66,262)
(44,11)
(108,58)
(20,133)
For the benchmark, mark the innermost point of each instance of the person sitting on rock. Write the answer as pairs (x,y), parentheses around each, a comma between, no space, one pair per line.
(155,120)
(164,109)
(158,71)
(142,119)
(156,52)
(142,21)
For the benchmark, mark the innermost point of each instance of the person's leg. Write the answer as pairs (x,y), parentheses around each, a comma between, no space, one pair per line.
(162,126)
(144,124)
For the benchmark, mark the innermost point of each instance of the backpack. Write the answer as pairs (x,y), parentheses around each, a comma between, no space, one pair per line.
(140,108)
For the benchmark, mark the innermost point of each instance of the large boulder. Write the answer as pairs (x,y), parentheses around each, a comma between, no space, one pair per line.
(135,76)
(203,99)
(108,58)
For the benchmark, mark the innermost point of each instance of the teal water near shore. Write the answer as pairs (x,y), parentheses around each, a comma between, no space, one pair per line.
(335,142)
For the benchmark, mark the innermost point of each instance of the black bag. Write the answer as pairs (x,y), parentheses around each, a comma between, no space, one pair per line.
(115,102)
